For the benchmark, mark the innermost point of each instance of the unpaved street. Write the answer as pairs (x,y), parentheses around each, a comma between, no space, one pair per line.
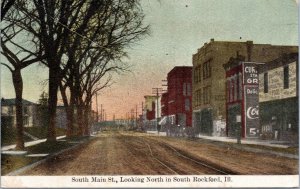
(129,153)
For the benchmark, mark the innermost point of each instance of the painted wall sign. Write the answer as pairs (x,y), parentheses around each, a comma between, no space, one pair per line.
(250,73)
(251,111)
(251,99)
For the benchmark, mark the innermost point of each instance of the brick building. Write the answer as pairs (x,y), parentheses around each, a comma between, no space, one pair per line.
(209,78)
(177,101)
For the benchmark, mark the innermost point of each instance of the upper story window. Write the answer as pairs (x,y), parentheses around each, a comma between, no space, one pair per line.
(206,95)
(286,77)
(187,104)
(197,74)
(266,81)
(187,89)
(207,70)
(184,89)
(25,110)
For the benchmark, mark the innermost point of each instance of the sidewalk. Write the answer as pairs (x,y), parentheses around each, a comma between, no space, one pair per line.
(31,143)
(270,143)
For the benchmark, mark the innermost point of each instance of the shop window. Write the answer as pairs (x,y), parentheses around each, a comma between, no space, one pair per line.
(266,89)
(286,77)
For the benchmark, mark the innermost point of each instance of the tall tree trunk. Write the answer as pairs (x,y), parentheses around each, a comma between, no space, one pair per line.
(69,109)
(18,85)
(87,120)
(80,119)
(54,75)
(70,120)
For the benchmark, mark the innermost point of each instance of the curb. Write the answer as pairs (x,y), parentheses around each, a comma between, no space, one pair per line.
(35,164)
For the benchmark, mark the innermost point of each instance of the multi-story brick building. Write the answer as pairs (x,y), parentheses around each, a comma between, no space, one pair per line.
(264,96)
(209,78)
(176,102)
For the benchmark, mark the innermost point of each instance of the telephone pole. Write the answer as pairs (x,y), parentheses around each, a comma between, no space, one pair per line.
(97,107)
(136,115)
(101,114)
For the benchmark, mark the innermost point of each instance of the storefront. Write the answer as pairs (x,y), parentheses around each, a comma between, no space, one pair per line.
(242,98)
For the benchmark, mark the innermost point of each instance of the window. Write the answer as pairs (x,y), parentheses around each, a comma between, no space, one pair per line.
(200,96)
(228,90)
(232,90)
(266,82)
(197,98)
(187,104)
(240,86)
(286,77)
(10,110)
(25,109)
(188,89)
(184,89)
(207,69)
(206,95)
(197,74)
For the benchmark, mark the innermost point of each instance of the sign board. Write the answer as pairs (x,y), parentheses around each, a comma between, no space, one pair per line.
(250,73)
(251,101)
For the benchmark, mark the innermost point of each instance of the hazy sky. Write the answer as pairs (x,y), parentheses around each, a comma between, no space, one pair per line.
(178,29)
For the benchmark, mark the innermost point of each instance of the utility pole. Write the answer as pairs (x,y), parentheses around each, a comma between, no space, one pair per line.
(142,117)
(101,113)
(157,91)
(97,107)
(136,115)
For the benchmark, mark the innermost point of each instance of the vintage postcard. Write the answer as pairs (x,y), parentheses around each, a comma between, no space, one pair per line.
(149,93)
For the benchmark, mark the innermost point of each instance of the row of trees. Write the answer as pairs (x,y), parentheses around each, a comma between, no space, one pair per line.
(81,43)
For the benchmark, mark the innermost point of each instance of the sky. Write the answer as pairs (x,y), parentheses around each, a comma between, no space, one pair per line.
(178,29)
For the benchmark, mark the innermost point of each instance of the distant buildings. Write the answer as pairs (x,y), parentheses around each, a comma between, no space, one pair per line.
(209,112)
(177,101)
(152,111)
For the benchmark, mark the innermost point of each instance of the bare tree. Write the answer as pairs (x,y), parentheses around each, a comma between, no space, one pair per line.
(19,55)
(65,28)
(5,7)
(116,26)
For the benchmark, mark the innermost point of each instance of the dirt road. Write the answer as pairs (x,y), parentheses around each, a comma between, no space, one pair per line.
(129,153)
